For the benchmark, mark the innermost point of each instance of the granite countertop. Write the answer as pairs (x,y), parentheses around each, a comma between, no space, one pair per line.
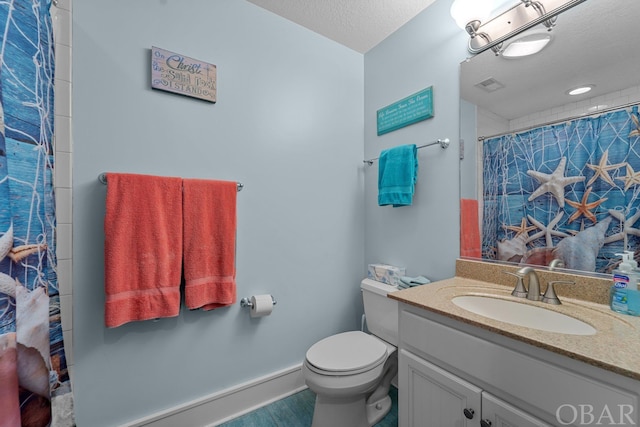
(614,347)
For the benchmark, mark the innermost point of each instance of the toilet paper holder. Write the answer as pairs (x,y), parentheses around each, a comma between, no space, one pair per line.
(246,302)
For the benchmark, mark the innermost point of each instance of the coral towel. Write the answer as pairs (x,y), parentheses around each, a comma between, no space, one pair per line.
(142,248)
(209,211)
(470,243)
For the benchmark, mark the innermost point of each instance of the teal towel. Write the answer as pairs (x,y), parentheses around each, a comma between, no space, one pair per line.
(397,175)
(409,282)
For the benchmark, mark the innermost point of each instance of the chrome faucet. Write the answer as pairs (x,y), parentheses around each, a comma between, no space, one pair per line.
(550,296)
(519,291)
(533,293)
(556,263)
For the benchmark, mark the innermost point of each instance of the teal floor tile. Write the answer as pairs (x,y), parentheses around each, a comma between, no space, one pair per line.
(297,408)
(391,419)
(258,418)
(297,411)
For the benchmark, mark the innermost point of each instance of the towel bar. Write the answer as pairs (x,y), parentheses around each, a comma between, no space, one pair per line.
(444,143)
(103,179)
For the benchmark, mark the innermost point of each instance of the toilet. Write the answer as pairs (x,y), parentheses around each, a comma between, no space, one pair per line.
(351,372)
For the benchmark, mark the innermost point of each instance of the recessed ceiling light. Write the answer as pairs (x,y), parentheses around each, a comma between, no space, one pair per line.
(580,90)
(526,45)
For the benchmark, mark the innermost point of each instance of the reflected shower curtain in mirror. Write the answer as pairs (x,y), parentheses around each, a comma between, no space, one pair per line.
(570,191)
(34,383)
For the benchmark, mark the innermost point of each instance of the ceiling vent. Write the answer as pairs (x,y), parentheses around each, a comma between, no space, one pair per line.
(490,85)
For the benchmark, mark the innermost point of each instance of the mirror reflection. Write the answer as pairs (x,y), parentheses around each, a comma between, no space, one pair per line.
(550,177)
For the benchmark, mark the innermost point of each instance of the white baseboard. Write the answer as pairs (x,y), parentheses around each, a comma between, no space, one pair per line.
(228,404)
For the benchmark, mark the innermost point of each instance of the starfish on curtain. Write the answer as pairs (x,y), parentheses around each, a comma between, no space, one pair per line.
(602,169)
(584,207)
(626,225)
(17,253)
(523,228)
(636,122)
(553,183)
(631,178)
(548,230)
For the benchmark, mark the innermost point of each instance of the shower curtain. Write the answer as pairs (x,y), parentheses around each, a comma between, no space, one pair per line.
(34,383)
(570,191)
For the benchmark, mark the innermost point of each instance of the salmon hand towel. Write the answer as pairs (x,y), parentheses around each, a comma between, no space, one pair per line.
(142,247)
(470,242)
(209,227)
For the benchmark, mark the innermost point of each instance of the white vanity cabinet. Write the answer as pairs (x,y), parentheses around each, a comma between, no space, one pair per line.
(431,396)
(459,375)
(498,413)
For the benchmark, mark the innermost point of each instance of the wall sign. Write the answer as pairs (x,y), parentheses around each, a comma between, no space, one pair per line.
(177,73)
(407,111)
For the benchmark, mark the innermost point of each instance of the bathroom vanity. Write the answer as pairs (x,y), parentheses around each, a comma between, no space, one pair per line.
(458,368)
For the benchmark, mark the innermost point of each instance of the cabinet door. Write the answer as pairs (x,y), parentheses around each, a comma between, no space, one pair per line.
(432,397)
(498,413)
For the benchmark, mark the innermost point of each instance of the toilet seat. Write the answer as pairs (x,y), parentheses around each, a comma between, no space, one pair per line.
(348,353)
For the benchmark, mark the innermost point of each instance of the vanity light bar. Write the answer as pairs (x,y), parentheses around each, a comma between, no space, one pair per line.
(521,17)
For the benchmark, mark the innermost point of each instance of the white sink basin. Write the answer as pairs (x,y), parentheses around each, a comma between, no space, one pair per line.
(529,316)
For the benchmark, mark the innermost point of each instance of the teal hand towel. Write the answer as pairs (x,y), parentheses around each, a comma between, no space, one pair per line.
(397,175)
(409,282)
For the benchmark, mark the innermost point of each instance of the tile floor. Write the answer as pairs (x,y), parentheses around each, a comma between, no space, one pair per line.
(297,411)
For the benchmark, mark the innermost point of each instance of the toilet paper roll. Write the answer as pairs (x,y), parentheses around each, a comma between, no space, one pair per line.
(261,305)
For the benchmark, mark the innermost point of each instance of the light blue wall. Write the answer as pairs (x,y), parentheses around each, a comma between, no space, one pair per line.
(288,124)
(425,52)
(293,111)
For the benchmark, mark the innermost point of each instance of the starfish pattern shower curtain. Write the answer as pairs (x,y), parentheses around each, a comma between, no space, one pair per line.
(570,191)
(34,383)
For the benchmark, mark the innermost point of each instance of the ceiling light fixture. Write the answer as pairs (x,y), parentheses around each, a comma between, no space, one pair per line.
(488,32)
(528,43)
(580,90)
(468,14)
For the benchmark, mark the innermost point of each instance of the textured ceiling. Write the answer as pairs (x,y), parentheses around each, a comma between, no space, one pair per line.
(593,43)
(357,24)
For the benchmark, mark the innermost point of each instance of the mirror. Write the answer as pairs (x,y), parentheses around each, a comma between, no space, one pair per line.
(593,44)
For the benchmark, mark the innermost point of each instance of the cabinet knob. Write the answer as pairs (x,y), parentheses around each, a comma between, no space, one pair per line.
(485,423)
(468,412)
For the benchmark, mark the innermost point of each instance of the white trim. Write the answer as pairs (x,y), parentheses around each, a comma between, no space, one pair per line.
(228,404)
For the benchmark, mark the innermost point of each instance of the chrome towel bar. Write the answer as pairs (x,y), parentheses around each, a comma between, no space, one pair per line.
(103,179)
(444,143)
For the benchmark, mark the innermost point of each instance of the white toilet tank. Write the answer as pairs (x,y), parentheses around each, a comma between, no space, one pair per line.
(381,312)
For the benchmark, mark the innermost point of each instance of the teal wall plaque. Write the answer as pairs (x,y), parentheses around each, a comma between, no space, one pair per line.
(407,111)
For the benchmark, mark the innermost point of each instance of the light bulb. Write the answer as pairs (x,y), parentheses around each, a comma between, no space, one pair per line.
(465,11)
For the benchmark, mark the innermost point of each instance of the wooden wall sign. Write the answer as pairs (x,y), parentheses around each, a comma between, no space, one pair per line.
(407,111)
(180,74)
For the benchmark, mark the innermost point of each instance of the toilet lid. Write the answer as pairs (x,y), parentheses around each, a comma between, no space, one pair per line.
(348,351)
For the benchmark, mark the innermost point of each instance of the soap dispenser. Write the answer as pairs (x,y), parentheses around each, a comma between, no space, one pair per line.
(624,296)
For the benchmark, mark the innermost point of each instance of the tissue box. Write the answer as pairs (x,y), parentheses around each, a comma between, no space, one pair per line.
(384,273)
